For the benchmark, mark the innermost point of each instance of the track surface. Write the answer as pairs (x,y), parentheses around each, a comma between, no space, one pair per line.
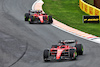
(15,34)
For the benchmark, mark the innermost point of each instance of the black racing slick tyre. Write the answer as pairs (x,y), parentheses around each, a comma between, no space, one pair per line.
(50,20)
(73,54)
(79,49)
(31,19)
(27,16)
(46,55)
(54,46)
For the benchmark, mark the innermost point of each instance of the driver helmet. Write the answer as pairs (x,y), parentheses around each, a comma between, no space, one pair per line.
(63,43)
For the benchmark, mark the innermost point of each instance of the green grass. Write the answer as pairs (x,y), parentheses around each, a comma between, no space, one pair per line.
(69,13)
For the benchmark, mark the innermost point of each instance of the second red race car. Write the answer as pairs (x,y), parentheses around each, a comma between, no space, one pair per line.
(37,17)
(67,49)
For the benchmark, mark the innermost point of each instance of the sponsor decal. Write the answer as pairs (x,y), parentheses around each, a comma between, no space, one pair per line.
(91,19)
(91,10)
(96,12)
(85,8)
(82,5)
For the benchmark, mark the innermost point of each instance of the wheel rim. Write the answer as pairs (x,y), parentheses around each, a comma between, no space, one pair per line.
(75,54)
(82,48)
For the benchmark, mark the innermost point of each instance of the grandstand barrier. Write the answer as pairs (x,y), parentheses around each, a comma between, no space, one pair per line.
(89,9)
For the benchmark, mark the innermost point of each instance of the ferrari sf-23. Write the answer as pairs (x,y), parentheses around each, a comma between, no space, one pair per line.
(66,49)
(37,17)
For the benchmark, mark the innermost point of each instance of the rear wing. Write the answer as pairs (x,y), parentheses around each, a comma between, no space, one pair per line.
(35,11)
(68,41)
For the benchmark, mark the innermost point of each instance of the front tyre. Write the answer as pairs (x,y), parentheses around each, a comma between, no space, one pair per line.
(79,49)
(50,20)
(27,16)
(31,19)
(73,54)
(46,55)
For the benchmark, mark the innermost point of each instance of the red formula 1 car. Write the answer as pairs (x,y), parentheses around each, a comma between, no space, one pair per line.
(38,17)
(67,49)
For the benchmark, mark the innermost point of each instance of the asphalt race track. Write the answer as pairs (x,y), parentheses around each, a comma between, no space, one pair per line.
(22,44)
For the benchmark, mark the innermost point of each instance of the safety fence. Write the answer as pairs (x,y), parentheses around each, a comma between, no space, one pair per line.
(89,9)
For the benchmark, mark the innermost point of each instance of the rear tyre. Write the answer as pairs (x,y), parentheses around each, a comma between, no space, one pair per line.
(27,16)
(50,20)
(54,46)
(46,55)
(79,49)
(73,54)
(31,19)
